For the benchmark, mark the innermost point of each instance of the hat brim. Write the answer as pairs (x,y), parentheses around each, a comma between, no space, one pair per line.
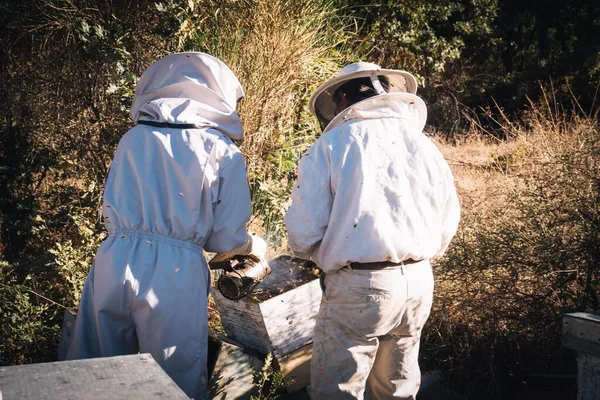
(321,103)
(409,105)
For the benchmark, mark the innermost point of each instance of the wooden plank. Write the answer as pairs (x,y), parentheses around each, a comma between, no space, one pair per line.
(290,317)
(581,346)
(232,377)
(66,334)
(287,273)
(242,320)
(296,368)
(588,377)
(590,317)
(135,376)
(581,332)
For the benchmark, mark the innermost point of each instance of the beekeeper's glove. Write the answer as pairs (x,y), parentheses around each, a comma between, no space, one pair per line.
(254,246)
(258,247)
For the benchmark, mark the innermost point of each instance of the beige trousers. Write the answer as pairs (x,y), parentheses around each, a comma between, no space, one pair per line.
(368,331)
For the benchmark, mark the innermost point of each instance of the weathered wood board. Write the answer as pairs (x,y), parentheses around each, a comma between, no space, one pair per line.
(135,376)
(588,377)
(296,368)
(280,324)
(232,377)
(581,332)
(66,334)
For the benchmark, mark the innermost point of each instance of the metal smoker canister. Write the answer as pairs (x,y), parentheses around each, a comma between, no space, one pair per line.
(246,273)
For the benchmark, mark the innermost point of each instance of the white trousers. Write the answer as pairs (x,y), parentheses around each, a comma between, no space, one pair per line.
(368,331)
(147,294)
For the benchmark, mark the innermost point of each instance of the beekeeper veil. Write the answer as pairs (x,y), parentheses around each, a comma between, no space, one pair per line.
(322,104)
(190,88)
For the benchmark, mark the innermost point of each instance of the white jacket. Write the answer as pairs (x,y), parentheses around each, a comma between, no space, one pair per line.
(373,188)
(172,191)
(190,184)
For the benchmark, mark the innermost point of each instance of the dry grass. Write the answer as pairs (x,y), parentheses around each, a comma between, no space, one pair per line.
(280,50)
(526,251)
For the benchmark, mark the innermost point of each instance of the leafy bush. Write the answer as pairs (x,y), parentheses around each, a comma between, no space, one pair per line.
(27,331)
(473,54)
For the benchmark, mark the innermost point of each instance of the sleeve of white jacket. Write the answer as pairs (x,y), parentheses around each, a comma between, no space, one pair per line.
(308,216)
(450,215)
(232,210)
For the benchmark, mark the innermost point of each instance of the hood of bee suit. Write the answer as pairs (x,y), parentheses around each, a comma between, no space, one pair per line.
(190,88)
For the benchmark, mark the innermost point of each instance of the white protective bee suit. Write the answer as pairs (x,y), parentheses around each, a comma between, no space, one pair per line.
(372,189)
(175,187)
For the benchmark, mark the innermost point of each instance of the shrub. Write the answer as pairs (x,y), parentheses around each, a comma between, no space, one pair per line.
(27,331)
(526,252)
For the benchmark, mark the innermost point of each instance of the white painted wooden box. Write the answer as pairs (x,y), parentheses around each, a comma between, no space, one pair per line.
(581,332)
(280,324)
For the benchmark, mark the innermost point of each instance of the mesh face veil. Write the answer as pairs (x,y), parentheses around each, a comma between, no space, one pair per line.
(322,104)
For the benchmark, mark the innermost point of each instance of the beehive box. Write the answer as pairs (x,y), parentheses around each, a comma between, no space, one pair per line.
(279,316)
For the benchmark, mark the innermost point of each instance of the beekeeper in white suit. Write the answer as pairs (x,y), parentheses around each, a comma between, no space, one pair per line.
(374,202)
(177,185)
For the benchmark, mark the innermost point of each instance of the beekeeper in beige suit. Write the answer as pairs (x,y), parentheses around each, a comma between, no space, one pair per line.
(374,202)
(177,186)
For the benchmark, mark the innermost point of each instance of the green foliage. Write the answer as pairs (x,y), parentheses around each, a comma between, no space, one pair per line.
(423,36)
(73,261)
(472,54)
(280,50)
(73,266)
(268,382)
(26,331)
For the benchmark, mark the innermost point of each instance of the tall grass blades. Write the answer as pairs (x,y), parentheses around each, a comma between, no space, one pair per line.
(281,51)
(527,251)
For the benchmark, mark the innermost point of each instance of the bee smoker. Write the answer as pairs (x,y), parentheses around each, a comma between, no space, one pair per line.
(240,275)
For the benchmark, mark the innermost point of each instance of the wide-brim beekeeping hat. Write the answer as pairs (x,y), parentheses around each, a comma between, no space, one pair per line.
(321,103)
